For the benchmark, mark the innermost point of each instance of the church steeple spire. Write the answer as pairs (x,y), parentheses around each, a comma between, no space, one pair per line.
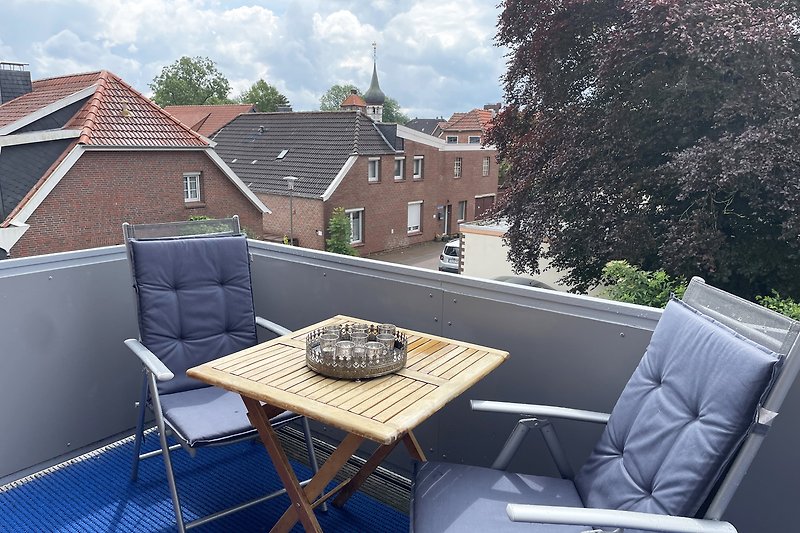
(374,97)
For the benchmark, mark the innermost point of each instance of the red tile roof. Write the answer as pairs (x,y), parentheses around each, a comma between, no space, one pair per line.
(208,119)
(116,114)
(354,100)
(475,120)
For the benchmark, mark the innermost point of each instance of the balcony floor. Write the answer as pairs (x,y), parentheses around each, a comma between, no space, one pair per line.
(93,493)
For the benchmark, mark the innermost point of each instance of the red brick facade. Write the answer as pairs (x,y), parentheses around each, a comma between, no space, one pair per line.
(307,221)
(103,189)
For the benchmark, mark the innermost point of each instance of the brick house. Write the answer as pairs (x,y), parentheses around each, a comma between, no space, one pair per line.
(81,154)
(398,186)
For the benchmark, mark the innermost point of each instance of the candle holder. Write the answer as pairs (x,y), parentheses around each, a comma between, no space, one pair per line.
(370,360)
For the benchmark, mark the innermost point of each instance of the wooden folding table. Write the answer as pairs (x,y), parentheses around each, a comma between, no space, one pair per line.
(272,377)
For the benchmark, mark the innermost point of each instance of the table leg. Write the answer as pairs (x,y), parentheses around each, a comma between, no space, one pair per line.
(259,417)
(414,449)
(326,473)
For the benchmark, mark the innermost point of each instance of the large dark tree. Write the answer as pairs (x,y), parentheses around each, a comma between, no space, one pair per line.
(662,132)
(190,81)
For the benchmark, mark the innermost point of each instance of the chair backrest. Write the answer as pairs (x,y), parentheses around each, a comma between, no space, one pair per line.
(693,401)
(194,299)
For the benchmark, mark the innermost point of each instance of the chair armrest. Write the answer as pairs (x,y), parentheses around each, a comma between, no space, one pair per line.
(149,359)
(543,411)
(272,326)
(613,518)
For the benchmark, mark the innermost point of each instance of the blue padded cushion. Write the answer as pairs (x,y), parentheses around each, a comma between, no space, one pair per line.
(456,498)
(680,418)
(210,415)
(195,301)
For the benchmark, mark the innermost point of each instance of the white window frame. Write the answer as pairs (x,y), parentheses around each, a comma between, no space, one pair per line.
(414,228)
(474,139)
(452,139)
(485,166)
(374,170)
(419,161)
(402,162)
(352,214)
(458,163)
(462,211)
(191,194)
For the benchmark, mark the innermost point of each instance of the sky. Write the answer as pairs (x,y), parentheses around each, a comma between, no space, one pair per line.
(435,57)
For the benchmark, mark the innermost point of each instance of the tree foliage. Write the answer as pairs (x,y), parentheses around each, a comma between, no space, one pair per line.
(333,97)
(663,133)
(339,233)
(190,81)
(264,96)
(627,283)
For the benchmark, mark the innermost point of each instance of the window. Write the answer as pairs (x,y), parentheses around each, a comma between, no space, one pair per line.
(462,210)
(452,139)
(485,166)
(191,187)
(457,168)
(474,139)
(418,159)
(356,225)
(399,168)
(374,169)
(414,216)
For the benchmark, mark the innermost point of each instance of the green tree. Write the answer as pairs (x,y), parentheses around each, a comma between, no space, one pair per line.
(333,97)
(190,81)
(627,283)
(392,112)
(264,96)
(662,133)
(339,233)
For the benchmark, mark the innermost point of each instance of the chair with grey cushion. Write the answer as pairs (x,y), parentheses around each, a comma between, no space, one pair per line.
(675,447)
(195,304)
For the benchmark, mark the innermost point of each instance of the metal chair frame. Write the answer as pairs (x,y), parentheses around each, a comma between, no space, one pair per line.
(154,370)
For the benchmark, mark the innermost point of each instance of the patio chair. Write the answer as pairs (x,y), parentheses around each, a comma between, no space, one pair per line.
(195,304)
(675,447)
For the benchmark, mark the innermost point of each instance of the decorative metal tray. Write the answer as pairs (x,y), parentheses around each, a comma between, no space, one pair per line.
(350,357)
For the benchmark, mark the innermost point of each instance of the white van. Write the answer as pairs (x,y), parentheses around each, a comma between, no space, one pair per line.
(450,257)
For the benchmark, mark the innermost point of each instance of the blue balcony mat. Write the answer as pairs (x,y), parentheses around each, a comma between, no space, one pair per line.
(95,493)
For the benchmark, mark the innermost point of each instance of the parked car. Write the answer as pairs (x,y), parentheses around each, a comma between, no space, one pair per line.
(450,256)
(520,280)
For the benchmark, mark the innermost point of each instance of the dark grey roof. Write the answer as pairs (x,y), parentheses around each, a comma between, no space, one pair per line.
(374,95)
(425,125)
(318,145)
(21,166)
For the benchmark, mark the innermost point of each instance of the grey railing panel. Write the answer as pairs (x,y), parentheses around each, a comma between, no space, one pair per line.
(67,382)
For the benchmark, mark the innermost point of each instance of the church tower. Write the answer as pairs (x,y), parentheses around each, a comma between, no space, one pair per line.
(374,97)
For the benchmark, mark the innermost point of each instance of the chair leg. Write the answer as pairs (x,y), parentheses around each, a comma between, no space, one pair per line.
(312,454)
(162,434)
(139,435)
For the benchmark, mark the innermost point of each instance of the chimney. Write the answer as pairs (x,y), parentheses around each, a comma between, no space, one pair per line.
(284,109)
(494,108)
(15,80)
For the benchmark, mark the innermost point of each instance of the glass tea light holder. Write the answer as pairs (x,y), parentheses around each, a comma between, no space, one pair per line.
(356,350)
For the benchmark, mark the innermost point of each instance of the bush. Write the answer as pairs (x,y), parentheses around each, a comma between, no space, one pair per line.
(339,232)
(786,306)
(628,283)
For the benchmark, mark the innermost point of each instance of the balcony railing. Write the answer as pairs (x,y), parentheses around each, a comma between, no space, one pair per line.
(67,384)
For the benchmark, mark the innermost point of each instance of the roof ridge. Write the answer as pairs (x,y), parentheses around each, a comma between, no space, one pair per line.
(89,73)
(356,133)
(91,108)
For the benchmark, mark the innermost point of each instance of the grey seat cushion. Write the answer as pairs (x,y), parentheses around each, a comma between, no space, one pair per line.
(458,498)
(680,418)
(195,301)
(210,415)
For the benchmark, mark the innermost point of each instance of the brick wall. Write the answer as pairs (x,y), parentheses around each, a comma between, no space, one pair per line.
(385,203)
(104,189)
(308,218)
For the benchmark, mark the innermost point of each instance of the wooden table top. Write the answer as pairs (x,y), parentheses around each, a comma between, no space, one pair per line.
(381,409)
